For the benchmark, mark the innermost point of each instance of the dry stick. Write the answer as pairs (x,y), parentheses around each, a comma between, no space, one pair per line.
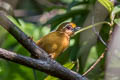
(48,66)
(92,67)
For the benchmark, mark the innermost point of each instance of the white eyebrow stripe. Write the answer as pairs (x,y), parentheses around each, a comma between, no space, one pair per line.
(67,25)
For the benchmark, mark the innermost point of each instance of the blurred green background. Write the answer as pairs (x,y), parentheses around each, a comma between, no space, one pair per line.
(37,18)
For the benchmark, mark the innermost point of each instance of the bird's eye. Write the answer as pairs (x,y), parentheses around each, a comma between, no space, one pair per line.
(69,27)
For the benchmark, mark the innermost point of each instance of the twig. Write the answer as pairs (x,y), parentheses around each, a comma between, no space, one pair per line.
(93,66)
(44,63)
(91,26)
(96,32)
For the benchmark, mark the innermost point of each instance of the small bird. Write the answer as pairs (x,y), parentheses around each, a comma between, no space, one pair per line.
(58,41)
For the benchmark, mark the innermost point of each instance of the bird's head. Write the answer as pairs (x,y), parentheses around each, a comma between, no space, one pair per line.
(68,28)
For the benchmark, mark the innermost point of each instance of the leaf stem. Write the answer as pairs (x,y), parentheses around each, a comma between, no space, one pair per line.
(91,26)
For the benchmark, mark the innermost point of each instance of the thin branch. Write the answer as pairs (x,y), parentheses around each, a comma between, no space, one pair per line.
(93,66)
(44,63)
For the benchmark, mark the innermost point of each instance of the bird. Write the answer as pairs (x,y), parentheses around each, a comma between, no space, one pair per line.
(58,41)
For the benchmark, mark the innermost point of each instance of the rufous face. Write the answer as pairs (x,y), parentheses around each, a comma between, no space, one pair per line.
(70,28)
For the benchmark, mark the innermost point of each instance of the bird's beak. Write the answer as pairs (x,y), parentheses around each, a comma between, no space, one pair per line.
(77,28)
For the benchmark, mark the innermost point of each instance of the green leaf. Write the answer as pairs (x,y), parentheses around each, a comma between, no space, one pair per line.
(115,11)
(107,4)
(68,65)
(117,21)
(14,20)
(51,78)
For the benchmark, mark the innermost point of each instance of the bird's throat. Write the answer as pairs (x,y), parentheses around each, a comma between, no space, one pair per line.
(67,35)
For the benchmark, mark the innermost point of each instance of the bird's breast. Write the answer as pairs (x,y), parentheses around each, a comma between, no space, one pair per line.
(54,42)
(63,41)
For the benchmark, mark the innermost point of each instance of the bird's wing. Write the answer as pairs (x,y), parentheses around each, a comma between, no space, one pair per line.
(48,43)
